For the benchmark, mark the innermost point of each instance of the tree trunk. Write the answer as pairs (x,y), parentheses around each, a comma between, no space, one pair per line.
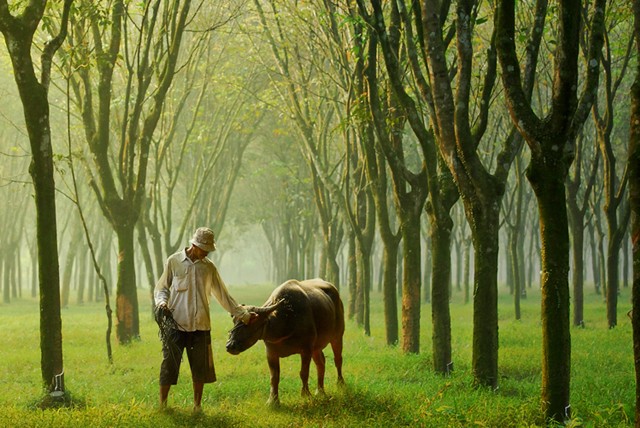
(6,289)
(613,258)
(441,274)
(467,271)
(352,278)
(35,104)
(548,184)
(360,285)
(485,300)
(428,272)
(364,284)
(48,269)
(82,279)
(390,267)
(410,230)
(634,203)
(128,325)
(577,233)
(514,269)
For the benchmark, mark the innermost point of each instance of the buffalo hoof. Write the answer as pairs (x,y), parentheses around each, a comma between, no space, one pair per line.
(273,402)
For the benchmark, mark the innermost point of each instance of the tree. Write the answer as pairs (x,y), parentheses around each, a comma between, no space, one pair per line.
(634,202)
(18,31)
(578,195)
(412,184)
(616,211)
(316,96)
(150,62)
(551,141)
(458,140)
(208,128)
(311,115)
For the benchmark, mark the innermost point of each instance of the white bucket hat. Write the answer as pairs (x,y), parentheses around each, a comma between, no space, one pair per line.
(204,239)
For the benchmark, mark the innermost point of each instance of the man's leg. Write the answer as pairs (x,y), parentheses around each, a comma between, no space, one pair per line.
(164,394)
(201,362)
(197,395)
(170,366)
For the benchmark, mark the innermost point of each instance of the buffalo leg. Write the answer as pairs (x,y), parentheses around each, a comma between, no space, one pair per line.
(319,360)
(305,359)
(336,346)
(274,368)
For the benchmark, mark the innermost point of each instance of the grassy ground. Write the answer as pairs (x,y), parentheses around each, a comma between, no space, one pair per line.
(384,387)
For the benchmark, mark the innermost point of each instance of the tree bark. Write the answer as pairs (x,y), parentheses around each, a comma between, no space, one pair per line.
(556,345)
(127,312)
(634,202)
(440,296)
(551,141)
(18,34)
(410,230)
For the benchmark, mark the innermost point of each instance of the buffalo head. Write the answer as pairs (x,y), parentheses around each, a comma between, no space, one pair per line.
(244,336)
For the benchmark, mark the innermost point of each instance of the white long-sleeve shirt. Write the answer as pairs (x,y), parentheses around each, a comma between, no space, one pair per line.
(185,286)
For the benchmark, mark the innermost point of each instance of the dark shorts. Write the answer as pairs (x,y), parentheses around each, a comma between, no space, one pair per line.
(198,346)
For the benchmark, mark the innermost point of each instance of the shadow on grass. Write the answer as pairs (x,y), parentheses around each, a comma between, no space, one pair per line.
(210,418)
(349,406)
(52,401)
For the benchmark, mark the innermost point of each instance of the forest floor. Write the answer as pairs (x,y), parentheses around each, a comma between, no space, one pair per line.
(384,387)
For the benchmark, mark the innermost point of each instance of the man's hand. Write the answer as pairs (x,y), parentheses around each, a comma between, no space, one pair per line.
(247,317)
(161,310)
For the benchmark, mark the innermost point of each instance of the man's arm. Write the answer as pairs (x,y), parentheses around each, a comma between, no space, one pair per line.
(161,291)
(220,292)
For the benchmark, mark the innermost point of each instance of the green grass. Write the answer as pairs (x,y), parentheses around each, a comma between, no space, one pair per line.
(384,387)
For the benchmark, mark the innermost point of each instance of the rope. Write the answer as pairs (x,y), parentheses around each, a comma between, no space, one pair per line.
(167,326)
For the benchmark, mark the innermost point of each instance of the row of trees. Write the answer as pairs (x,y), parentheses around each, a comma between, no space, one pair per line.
(362,122)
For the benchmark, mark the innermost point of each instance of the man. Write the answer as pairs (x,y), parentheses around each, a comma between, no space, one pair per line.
(189,278)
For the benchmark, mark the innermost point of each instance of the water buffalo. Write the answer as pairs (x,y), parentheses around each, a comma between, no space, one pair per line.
(300,317)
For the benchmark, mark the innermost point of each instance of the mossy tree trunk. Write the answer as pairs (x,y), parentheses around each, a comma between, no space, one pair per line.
(410,188)
(634,202)
(18,32)
(576,210)
(552,144)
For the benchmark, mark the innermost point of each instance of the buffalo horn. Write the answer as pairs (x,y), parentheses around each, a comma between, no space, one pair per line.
(262,310)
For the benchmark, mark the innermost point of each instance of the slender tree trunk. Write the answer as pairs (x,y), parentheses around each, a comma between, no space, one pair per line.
(556,343)
(48,269)
(82,279)
(613,258)
(390,267)
(34,97)
(595,265)
(359,300)
(514,269)
(634,203)
(410,230)
(441,274)
(467,271)
(577,233)
(128,325)
(485,302)
(352,278)
(428,268)
(365,286)
(4,271)
(34,271)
